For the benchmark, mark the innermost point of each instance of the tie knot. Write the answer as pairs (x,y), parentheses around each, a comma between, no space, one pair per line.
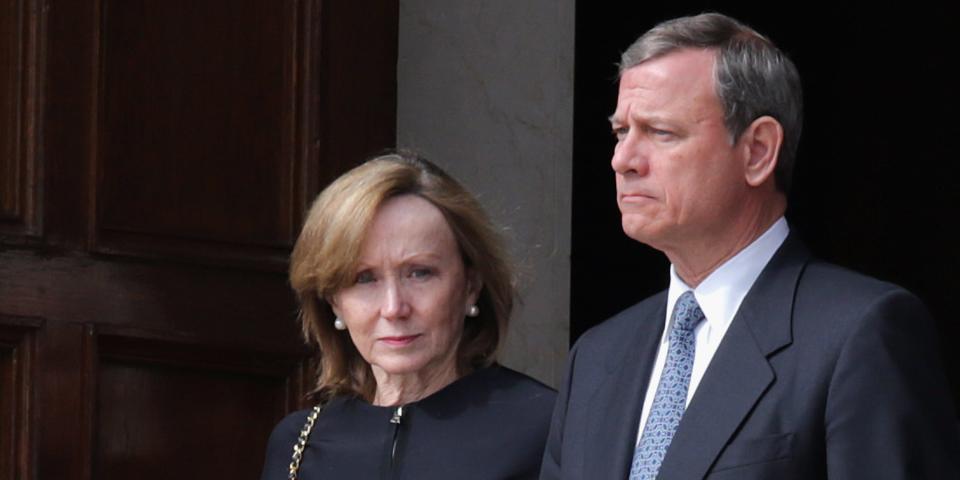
(686,313)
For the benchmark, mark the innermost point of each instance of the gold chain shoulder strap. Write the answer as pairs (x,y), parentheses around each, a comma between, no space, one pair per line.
(302,441)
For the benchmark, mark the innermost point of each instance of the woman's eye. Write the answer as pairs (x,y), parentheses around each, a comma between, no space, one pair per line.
(365,277)
(421,273)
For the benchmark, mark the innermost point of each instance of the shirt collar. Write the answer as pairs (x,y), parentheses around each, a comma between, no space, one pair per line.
(720,294)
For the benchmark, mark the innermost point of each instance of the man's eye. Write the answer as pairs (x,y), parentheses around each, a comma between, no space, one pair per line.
(365,277)
(659,132)
(620,132)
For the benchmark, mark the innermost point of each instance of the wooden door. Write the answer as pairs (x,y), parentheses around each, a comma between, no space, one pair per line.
(156,159)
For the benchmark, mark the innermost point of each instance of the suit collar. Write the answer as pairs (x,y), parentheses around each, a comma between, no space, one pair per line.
(721,293)
(768,307)
(740,372)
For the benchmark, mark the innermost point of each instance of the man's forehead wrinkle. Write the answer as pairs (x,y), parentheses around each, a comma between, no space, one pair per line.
(650,90)
(627,103)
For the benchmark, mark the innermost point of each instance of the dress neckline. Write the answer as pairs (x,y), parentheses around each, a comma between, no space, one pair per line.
(449,390)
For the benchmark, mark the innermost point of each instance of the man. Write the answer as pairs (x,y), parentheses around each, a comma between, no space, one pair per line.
(758,362)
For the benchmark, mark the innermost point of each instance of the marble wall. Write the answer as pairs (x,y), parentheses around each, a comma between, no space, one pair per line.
(485,89)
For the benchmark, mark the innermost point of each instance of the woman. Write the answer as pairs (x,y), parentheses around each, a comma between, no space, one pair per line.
(405,290)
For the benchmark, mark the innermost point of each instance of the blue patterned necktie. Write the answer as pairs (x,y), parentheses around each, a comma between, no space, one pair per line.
(671,398)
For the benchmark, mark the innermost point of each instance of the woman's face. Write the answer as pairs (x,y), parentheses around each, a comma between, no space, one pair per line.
(405,309)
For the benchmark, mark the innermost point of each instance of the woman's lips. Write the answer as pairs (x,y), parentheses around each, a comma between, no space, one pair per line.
(399,341)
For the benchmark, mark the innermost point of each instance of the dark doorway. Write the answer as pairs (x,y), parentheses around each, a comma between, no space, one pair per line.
(874,188)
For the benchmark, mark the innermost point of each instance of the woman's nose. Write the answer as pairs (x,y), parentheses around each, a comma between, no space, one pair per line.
(395,305)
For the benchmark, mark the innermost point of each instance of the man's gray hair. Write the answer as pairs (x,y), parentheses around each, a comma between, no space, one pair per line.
(753,77)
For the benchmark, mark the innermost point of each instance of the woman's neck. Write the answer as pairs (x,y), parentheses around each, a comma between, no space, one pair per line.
(401,389)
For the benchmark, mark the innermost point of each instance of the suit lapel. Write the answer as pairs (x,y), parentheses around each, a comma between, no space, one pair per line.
(616,406)
(739,372)
(737,376)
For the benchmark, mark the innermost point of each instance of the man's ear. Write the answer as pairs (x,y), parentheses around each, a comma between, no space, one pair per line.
(761,145)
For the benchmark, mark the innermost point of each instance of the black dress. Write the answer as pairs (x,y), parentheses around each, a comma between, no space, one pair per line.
(491,424)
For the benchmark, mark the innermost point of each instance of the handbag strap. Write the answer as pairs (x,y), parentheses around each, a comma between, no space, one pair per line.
(302,441)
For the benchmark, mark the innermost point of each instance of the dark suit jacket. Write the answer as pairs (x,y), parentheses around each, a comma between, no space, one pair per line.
(823,373)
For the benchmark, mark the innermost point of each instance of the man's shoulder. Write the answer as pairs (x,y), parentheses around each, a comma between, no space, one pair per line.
(822,281)
(621,328)
(838,302)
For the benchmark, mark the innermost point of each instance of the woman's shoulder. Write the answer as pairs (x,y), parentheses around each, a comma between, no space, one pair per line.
(280,445)
(501,418)
(288,429)
(499,384)
(515,382)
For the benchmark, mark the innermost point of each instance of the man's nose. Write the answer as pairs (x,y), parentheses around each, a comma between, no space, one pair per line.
(630,156)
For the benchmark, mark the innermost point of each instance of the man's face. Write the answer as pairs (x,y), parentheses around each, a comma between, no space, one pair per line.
(679,178)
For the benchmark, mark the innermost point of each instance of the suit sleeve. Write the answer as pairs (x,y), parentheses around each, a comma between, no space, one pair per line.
(552,456)
(889,411)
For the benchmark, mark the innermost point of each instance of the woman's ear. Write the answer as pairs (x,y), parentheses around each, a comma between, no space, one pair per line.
(761,143)
(474,285)
(332,301)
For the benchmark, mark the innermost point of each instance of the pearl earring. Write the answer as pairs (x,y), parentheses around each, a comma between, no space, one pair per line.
(473,311)
(339,325)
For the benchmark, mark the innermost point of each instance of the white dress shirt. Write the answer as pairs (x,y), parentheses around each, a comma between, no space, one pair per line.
(719,296)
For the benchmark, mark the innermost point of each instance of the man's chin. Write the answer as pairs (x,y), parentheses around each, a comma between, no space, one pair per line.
(638,229)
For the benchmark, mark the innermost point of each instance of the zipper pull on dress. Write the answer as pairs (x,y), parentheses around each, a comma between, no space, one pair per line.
(395,420)
(397,415)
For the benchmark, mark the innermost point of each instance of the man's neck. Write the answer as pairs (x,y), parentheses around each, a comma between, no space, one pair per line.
(698,259)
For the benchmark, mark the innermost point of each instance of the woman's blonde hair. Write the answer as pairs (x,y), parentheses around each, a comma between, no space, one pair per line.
(324,260)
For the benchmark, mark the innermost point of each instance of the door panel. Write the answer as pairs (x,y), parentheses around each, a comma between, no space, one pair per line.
(17,353)
(19,25)
(196,129)
(162,404)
